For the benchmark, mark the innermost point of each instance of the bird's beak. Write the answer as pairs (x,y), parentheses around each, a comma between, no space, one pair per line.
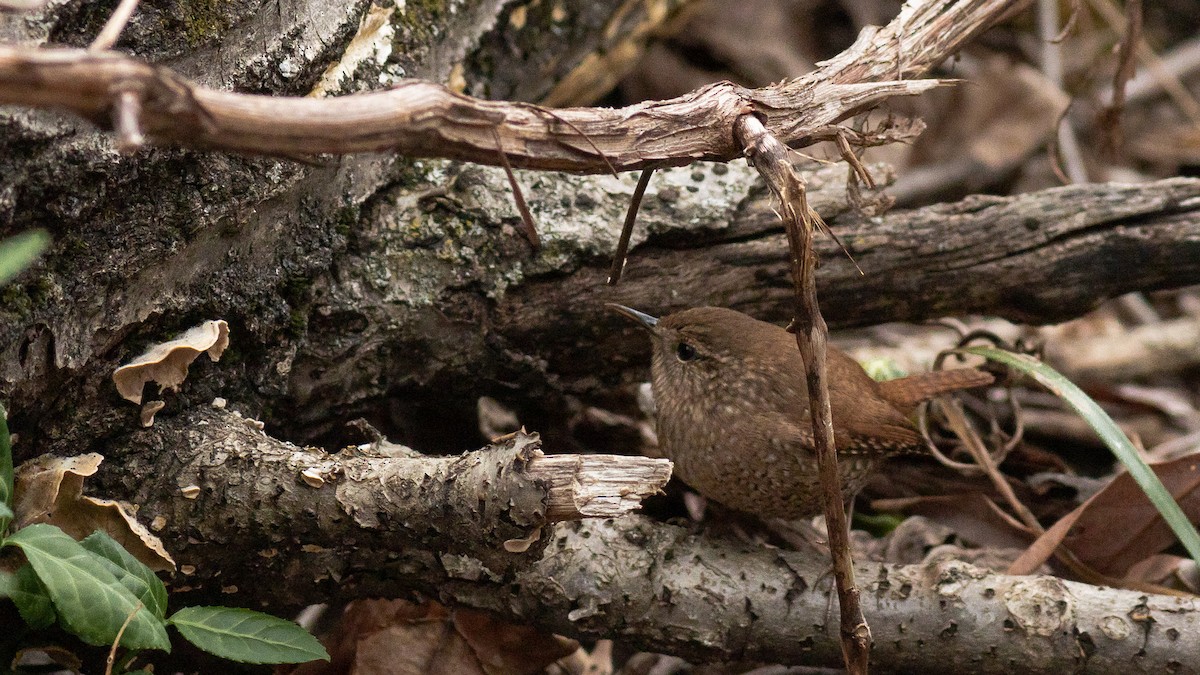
(644,320)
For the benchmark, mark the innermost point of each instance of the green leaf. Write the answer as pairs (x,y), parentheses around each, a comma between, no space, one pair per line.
(882,369)
(90,601)
(1109,432)
(131,572)
(6,472)
(20,251)
(247,636)
(31,598)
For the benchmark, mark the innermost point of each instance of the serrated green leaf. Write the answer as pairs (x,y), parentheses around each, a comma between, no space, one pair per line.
(131,572)
(6,472)
(31,598)
(247,636)
(88,598)
(20,251)
(1109,432)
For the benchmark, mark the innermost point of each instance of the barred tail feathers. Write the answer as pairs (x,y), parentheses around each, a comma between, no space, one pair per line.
(907,392)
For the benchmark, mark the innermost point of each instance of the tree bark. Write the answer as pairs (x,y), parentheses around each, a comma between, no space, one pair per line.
(400,290)
(367,532)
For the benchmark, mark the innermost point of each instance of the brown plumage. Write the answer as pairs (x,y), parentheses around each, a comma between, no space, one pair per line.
(733,410)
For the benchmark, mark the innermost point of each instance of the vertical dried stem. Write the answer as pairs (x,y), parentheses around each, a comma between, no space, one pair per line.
(635,203)
(770,157)
(113,27)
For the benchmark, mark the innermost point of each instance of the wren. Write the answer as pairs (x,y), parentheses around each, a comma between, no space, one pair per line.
(733,410)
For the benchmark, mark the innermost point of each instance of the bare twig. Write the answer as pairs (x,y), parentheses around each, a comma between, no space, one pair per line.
(126,116)
(957,419)
(635,202)
(424,119)
(1072,19)
(843,145)
(1180,62)
(590,142)
(770,157)
(112,29)
(1178,92)
(1110,117)
(527,225)
(1052,67)
(112,652)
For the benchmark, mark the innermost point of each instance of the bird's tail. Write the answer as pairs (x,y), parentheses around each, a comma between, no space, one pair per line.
(907,392)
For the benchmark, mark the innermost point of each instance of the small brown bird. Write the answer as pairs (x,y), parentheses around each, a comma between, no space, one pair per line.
(733,410)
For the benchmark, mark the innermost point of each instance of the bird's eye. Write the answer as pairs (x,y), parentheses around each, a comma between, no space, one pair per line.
(685,352)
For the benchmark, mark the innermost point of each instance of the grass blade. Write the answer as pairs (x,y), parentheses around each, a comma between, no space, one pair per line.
(1108,431)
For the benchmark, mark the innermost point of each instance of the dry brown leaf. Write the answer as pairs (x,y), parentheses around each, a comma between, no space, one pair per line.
(972,516)
(995,125)
(50,490)
(599,661)
(1118,526)
(397,637)
(167,363)
(36,659)
(1165,570)
(504,648)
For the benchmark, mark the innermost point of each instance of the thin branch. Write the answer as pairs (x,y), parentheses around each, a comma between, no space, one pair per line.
(126,116)
(112,652)
(115,25)
(424,119)
(1066,140)
(770,157)
(1170,83)
(590,142)
(635,203)
(1131,39)
(527,225)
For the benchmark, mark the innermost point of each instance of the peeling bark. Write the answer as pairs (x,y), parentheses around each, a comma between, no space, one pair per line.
(239,505)
(655,586)
(399,289)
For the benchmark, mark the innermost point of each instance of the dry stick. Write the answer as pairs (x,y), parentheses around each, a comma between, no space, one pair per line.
(1072,19)
(611,169)
(770,158)
(1065,140)
(126,121)
(112,653)
(957,419)
(635,203)
(113,27)
(424,119)
(1110,118)
(526,217)
(955,416)
(1178,92)
(847,153)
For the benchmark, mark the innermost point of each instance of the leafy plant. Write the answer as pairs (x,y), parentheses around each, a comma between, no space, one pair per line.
(93,588)
(98,591)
